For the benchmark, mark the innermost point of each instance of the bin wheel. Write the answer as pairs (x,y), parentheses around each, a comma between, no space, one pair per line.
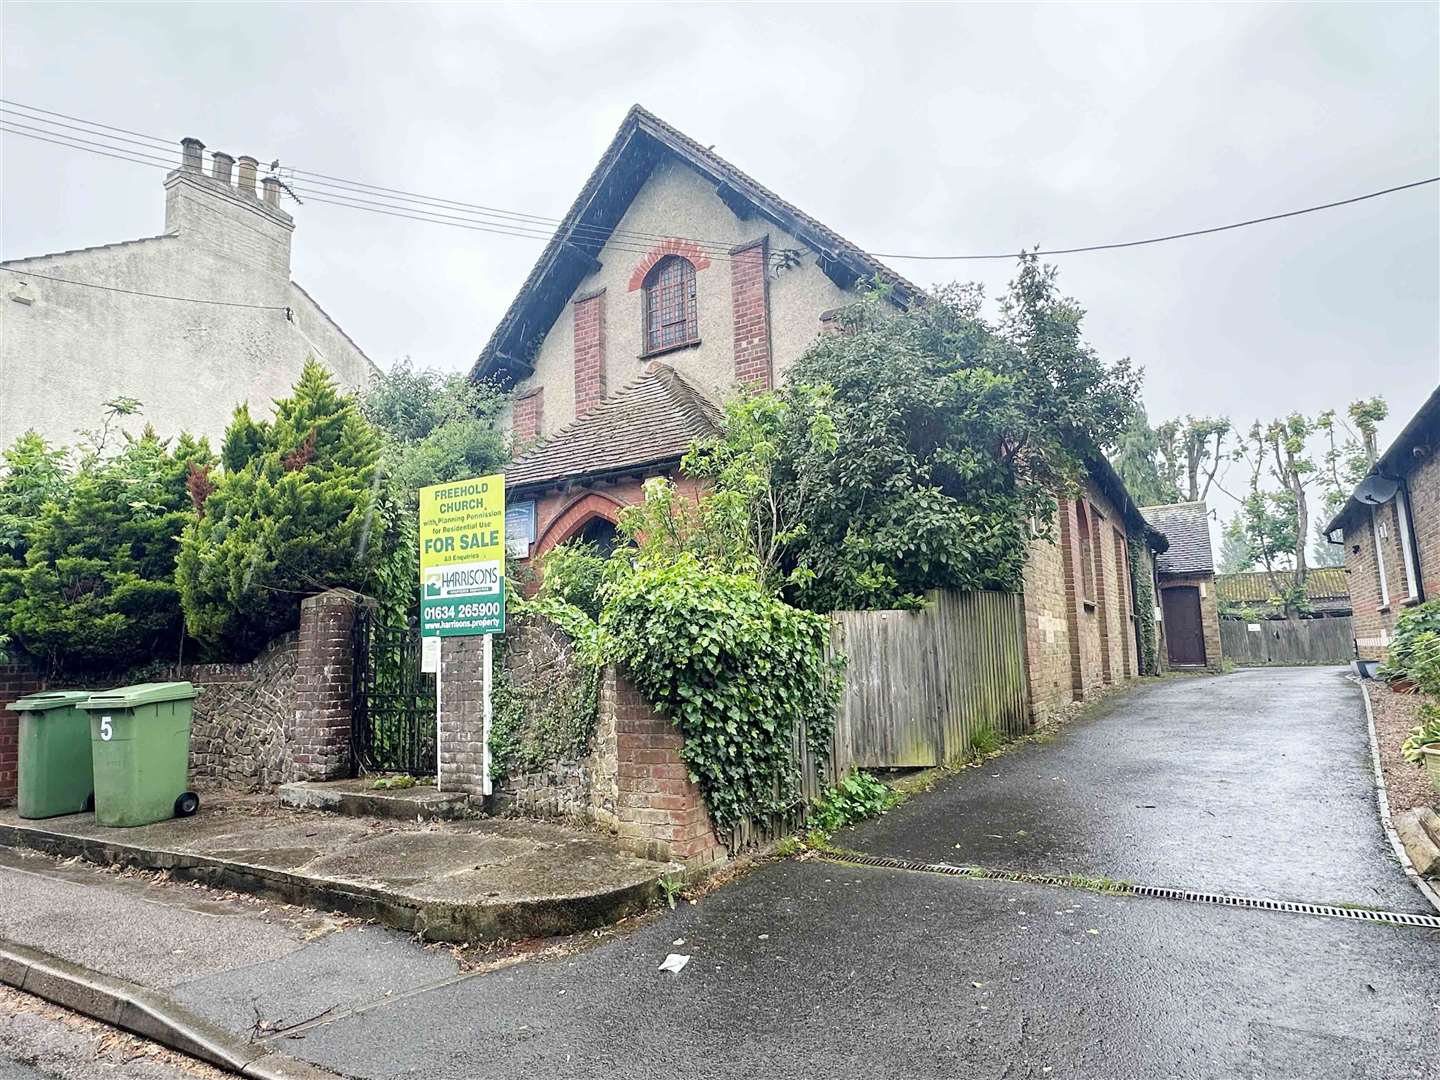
(187,804)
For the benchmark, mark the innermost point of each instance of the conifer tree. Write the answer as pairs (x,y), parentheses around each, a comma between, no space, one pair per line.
(292,518)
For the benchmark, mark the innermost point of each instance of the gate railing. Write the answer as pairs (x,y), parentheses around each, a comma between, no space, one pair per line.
(393,720)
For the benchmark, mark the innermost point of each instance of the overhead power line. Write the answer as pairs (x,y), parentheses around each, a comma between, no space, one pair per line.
(516,218)
(395,202)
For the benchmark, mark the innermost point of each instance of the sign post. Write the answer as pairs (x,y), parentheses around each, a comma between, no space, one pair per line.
(462,581)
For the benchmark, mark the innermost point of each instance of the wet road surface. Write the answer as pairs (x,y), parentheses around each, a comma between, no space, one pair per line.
(1258,783)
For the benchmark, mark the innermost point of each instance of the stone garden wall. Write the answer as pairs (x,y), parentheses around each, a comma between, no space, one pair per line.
(238,735)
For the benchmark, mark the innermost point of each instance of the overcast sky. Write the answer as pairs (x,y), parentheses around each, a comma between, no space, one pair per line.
(924,129)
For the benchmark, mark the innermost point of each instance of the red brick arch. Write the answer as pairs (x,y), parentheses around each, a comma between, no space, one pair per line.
(575,517)
(686,249)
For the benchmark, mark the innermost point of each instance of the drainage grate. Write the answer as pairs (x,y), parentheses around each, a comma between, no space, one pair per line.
(1125,888)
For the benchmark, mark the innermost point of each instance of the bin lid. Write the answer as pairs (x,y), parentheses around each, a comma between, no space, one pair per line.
(49,699)
(132,697)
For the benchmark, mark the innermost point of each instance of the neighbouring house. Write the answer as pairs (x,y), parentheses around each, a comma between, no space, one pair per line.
(1252,593)
(1185,576)
(628,336)
(79,328)
(1390,527)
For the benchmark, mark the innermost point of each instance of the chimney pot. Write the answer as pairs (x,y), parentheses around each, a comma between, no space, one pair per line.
(247,175)
(271,188)
(190,151)
(221,169)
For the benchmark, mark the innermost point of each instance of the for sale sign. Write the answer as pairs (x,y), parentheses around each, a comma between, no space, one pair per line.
(462,557)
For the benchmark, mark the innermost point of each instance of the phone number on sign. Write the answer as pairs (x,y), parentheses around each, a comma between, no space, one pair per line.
(464,611)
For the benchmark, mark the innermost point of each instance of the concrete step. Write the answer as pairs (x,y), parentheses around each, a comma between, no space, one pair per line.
(1419,843)
(360,798)
(459,881)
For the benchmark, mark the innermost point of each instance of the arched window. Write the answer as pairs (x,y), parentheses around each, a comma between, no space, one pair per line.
(671,318)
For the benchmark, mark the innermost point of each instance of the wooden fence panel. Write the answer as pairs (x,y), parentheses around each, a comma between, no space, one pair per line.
(1288,642)
(918,685)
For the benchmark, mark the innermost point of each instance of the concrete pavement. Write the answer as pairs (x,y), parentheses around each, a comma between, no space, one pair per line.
(1258,782)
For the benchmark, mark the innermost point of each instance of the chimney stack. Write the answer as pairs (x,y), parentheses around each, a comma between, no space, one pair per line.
(223,163)
(190,155)
(271,187)
(247,175)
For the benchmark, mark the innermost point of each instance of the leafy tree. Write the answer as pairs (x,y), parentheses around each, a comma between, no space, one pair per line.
(96,593)
(1137,460)
(435,427)
(1236,554)
(1191,455)
(294,519)
(910,451)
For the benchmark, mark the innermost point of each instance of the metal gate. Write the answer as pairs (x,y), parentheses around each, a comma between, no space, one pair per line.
(393,719)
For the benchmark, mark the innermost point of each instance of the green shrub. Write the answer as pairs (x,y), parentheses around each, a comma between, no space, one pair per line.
(291,518)
(96,592)
(736,670)
(857,797)
(1427,733)
(986,740)
(573,574)
(1415,649)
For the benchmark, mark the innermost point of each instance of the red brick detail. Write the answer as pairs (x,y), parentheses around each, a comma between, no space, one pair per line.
(661,814)
(589,352)
(1102,606)
(750,308)
(573,518)
(1070,552)
(686,249)
(16,681)
(526,416)
(319,731)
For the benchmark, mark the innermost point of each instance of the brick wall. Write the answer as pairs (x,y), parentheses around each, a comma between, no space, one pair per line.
(589,351)
(526,416)
(1078,639)
(460,757)
(16,681)
(750,307)
(1374,615)
(319,730)
(660,813)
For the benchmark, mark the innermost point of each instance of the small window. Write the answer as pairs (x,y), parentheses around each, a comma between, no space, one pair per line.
(671,318)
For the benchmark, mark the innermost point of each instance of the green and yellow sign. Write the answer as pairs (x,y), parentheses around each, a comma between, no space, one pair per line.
(462,557)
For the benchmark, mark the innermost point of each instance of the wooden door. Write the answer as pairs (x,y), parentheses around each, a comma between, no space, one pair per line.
(1184,630)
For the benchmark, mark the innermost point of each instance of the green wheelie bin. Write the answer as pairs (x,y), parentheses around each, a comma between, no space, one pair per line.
(140,738)
(55,773)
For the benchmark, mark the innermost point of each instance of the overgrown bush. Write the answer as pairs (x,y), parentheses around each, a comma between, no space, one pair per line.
(736,670)
(1426,733)
(573,574)
(96,592)
(910,451)
(1414,651)
(857,797)
(290,516)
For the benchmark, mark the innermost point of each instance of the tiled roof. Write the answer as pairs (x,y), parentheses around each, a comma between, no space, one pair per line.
(1187,527)
(642,140)
(1322,583)
(651,422)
